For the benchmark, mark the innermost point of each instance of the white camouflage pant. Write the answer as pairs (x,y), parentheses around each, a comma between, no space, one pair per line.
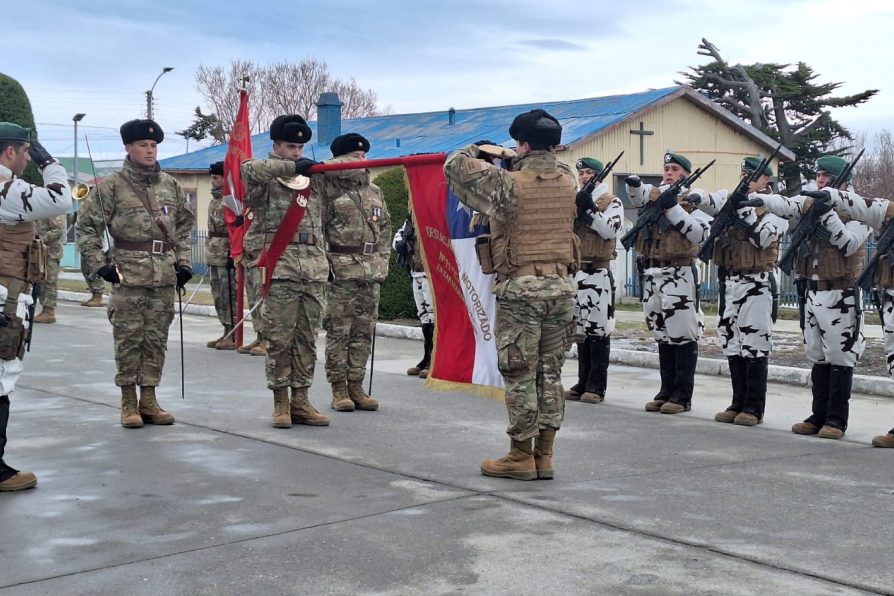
(594,307)
(422,296)
(831,326)
(671,305)
(888,327)
(745,326)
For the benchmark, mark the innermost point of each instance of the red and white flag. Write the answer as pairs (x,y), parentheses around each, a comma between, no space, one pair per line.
(238,151)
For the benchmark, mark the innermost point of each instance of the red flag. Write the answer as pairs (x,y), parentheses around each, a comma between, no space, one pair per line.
(238,151)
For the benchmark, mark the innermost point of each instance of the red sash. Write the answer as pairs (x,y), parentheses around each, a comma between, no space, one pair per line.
(270,255)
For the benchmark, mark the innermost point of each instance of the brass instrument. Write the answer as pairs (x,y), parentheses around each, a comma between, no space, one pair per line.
(81,191)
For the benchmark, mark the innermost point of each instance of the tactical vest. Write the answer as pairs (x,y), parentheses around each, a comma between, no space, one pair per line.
(666,245)
(594,249)
(741,256)
(15,246)
(831,265)
(885,268)
(538,240)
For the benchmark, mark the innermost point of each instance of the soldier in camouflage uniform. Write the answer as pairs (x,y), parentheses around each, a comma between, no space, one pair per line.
(599,217)
(94,283)
(50,231)
(21,204)
(832,305)
(531,211)
(150,223)
(294,305)
(746,259)
(358,229)
(217,258)
(670,284)
(406,245)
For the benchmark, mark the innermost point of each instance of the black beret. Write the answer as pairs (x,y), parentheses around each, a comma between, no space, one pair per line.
(141,130)
(216,168)
(348,142)
(538,127)
(290,128)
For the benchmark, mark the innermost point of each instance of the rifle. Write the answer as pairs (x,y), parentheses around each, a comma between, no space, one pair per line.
(406,247)
(727,216)
(35,295)
(884,247)
(653,213)
(591,184)
(807,227)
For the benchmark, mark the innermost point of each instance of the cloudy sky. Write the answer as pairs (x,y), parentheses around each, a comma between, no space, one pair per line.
(100,56)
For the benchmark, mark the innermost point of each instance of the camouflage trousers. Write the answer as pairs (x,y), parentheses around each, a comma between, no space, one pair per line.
(745,326)
(141,318)
(94,286)
(49,288)
(530,354)
(253,286)
(221,281)
(422,297)
(353,308)
(671,305)
(290,316)
(833,328)
(887,312)
(594,304)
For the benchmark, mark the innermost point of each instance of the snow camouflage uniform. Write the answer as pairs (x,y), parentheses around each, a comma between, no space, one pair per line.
(217,255)
(670,295)
(51,231)
(421,295)
(832,309)
(358,229)
(747,271)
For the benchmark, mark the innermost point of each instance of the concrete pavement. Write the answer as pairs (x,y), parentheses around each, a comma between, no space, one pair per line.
(392,502)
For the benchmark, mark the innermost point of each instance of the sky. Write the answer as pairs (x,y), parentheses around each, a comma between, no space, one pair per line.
(99,57)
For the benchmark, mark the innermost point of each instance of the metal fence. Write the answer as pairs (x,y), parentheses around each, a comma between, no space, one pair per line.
(198,252)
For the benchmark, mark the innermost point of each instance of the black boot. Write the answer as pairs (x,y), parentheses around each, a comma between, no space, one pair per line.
(667,368)
(737,367)
(5,471)
(841,379)
(428,332)
(686,357)
(583,372)
(755,392)
(600,350)
(819,387)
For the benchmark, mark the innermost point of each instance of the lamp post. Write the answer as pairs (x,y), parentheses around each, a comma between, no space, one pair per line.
(151,89)
(76,118)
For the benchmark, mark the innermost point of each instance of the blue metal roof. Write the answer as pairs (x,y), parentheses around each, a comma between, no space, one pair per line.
(430,132)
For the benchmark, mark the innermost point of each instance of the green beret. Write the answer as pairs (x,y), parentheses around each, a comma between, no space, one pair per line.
(832,164)
(752,163)
(678,159)
(14,132)
(593,164)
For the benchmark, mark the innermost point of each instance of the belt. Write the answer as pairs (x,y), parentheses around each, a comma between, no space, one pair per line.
(303,238)
(594,265)
(820,285)
(367,248)
(218,235)
(749,271)
(156,247)
(681,262)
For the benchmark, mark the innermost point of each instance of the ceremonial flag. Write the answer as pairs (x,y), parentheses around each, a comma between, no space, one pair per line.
(238,151)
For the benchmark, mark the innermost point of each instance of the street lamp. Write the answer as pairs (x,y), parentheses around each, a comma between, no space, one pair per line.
(76,118)
(151,89)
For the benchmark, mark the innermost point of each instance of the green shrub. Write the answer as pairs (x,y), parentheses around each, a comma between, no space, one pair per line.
(397,293)
(15,108)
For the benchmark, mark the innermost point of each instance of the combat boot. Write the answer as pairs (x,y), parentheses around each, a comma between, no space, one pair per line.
(18,481)
(841,380)
(150,411)
(213,343)
(737,368)
(281,416)
(686,358)
(226,342)
(361,400)
(303,412)
(260,349)
(886,441)
(130,413)
(47,315)
(428,330)
(583,372)
(543,453)
(755,392)
(667,367)
(518,464)
(597,378)
(247,348)
(94,301)
(340,400)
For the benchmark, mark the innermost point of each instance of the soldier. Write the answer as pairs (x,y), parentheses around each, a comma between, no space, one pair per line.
(50,231)
(21,204)
(746,260)
(150,223)
(599,217)
(94,282)
(407,247)
(531,211)
(293,307)
(832,311)
(357,227)
(217,258)
(670,284)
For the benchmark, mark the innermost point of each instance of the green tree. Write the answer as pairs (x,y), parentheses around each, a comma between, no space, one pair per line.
(397,293)
(202,127)
(784,101)
(15,108)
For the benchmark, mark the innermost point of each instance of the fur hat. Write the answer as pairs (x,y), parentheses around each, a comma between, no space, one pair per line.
(290,128)
(348,142)
(141,130)
(216,168)
(538,127)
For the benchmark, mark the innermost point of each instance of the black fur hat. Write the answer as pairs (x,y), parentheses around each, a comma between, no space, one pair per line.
(216,168)
(290,128)
(348,142)
(141,130)
(536,126)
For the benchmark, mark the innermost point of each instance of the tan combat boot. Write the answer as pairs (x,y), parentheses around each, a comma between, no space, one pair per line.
(361,400)
(830,432)
(746,419)
(18,481)
(260,349)
(281,416)
(590,397)
(47,315)
(886,441)
(804,428)
(302,410)
(226,342)
(518,464)
(94,301)
(247,348)
(130,414)
(543,453)
(150,411)
(341,402)
(726,416)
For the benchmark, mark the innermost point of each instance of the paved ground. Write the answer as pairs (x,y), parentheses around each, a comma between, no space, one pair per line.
(391,502)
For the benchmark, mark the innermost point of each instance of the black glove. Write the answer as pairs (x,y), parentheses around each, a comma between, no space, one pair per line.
(240,220)
(303,165)
(231,264)
(184,274)
(40,156)
(633,181)
(584,201)
(585,217)
(4,319)
(822,203)
(668,199)
(738,199)
(109,273)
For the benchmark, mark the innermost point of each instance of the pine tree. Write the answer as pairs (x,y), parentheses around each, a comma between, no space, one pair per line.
(15,108)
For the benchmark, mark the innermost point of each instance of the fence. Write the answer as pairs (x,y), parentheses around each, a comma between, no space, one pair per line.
(198,252)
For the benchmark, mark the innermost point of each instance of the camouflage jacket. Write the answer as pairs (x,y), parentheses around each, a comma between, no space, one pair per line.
(51,231)
(493,192)
(355,215)
(270,200)
(217,246)
(130,221)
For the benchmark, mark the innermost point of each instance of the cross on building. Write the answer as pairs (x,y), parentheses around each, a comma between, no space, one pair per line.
(642,132)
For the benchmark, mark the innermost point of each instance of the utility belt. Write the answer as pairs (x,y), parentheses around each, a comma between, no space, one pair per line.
(677,262)
(820,285)
(12,328)
(218,235)
(595,265)
(367,248)
(307,238)
(751,271)
(156,247)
